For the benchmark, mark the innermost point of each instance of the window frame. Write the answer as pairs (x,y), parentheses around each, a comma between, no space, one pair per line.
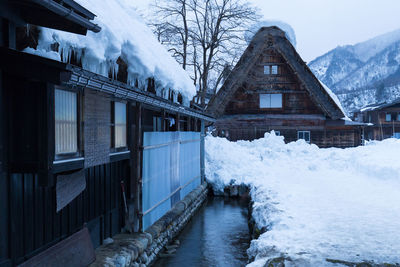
(386,117)
(114,149)
(303,132)
(267,69)
(270,108)
(79,152)
(273,69)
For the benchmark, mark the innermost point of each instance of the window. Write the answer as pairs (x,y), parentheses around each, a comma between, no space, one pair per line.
(66,122)
(157,124)
(388,117)
(268,70)
(274,69)
(119,125)
(270,100)
(398,117)
(396,135)
(305,135)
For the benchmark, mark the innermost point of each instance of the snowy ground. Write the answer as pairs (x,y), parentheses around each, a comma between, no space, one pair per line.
(317,204)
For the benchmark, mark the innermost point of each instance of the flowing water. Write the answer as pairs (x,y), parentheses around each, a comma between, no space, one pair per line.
(217,235)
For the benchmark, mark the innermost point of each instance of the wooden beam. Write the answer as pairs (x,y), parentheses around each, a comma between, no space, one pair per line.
(163,122)
(202,152)
(178,122)
(135,210)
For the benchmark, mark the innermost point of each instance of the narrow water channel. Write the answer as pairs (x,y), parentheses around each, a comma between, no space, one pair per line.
(217,235)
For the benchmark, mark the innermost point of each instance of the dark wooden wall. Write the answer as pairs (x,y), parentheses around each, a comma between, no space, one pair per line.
(295,98)
(4,235)
(381,128)
(35,225)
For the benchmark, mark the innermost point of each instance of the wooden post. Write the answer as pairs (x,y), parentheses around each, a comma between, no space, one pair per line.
(3,185)
(163,123)
(178,123)
(202,152)
(47,143)
(138,213)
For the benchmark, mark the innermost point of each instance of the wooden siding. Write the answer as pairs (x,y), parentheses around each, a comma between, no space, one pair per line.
(295,98)
(381,129)
(35,225)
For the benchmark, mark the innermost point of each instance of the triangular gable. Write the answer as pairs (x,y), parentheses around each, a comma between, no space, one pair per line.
(273,37)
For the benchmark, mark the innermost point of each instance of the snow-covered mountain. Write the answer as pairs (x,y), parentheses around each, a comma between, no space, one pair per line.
(364,73)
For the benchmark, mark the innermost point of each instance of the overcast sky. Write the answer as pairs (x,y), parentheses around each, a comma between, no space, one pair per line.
(321,25)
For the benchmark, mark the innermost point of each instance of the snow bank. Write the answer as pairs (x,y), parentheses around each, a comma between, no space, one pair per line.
(124,34)
(290,34)
(317,204)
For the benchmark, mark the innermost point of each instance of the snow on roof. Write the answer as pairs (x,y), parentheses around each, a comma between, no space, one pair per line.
(374,106)
(124,34)
(290,34)
(335,99)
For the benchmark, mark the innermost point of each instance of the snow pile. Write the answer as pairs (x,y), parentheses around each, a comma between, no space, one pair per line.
(124,34)
(316,204)
(290,34)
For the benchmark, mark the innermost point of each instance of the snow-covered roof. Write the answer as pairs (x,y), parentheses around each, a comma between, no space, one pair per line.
(381,105)
(124,34)
(334,98)
(326,99)
(289,32)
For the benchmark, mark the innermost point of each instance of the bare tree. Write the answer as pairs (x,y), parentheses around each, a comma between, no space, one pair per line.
(206,35)
(172,28)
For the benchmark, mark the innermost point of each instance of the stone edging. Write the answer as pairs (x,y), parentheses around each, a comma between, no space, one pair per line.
(141,249)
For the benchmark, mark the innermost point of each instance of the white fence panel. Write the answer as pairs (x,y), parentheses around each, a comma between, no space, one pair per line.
(171,170)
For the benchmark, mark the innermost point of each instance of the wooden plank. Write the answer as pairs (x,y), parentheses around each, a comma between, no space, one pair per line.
(16,217)
(4,215)
(79,210)
(76,250)
(97,190)
(28,213)
(39,235)
(49,210)
(85,199)
(91,194)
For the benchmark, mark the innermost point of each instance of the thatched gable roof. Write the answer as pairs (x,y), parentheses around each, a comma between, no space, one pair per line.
(275,38)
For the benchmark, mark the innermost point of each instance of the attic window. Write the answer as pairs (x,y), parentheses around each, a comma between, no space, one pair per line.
(270,100)
(267,70)
(271,69)
(274,69)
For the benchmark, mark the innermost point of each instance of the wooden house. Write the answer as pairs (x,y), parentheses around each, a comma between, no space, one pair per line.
(383,120)
(271,88)
(71,140)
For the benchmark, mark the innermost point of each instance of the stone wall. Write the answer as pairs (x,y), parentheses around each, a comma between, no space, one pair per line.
(142,249)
